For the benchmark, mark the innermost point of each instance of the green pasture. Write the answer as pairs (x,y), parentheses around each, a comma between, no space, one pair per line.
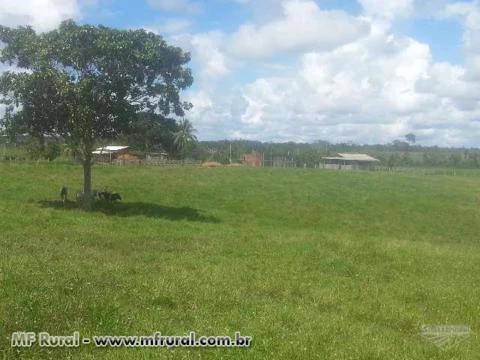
(312,264)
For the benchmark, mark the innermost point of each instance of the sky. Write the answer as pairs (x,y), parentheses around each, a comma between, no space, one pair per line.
(362,71)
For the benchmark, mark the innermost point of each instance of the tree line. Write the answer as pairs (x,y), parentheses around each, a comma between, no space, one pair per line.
(399,153)
(150,133)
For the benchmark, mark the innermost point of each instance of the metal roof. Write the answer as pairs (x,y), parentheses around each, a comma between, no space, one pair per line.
(351,157)
(109,149)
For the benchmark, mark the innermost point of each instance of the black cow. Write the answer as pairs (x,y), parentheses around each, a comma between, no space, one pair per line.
(115,196)
(109,196)
(64,193)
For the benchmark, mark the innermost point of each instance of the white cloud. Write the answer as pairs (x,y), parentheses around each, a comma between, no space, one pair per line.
(473,67)
(468,13)
(42,15)
(388,9)
(373,90)
(214,61)
(209,60)
(171,26)
(365,77)
(214,115)
(303,26)
(450,82)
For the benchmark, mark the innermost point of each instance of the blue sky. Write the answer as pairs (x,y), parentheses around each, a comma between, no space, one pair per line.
(367,71)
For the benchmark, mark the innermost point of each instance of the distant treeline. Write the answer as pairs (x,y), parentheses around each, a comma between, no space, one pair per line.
(160,137)
(396,154)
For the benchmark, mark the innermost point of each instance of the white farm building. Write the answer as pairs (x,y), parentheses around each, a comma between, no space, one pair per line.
(350,162)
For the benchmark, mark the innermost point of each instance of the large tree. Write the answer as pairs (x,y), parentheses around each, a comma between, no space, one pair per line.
(85,82)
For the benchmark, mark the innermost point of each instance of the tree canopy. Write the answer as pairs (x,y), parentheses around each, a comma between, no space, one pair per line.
(86,82)
(152,132)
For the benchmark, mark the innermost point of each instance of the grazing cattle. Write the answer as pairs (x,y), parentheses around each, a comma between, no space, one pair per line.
(94,195)
(115,197)
(64,193)
(109,196)
(103,195)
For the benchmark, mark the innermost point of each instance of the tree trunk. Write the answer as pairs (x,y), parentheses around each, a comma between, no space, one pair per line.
(87,181)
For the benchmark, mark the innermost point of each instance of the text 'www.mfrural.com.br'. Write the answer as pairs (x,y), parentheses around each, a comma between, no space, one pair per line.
(23,339)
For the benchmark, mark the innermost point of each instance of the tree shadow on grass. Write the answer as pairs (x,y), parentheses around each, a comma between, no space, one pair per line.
(125,209)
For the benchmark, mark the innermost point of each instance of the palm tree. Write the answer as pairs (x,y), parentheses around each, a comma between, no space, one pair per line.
(184,136)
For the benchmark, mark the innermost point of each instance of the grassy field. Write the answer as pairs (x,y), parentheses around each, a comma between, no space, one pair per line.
(312,264)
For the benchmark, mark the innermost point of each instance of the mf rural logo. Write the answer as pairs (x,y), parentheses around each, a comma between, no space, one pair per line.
(446,336)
